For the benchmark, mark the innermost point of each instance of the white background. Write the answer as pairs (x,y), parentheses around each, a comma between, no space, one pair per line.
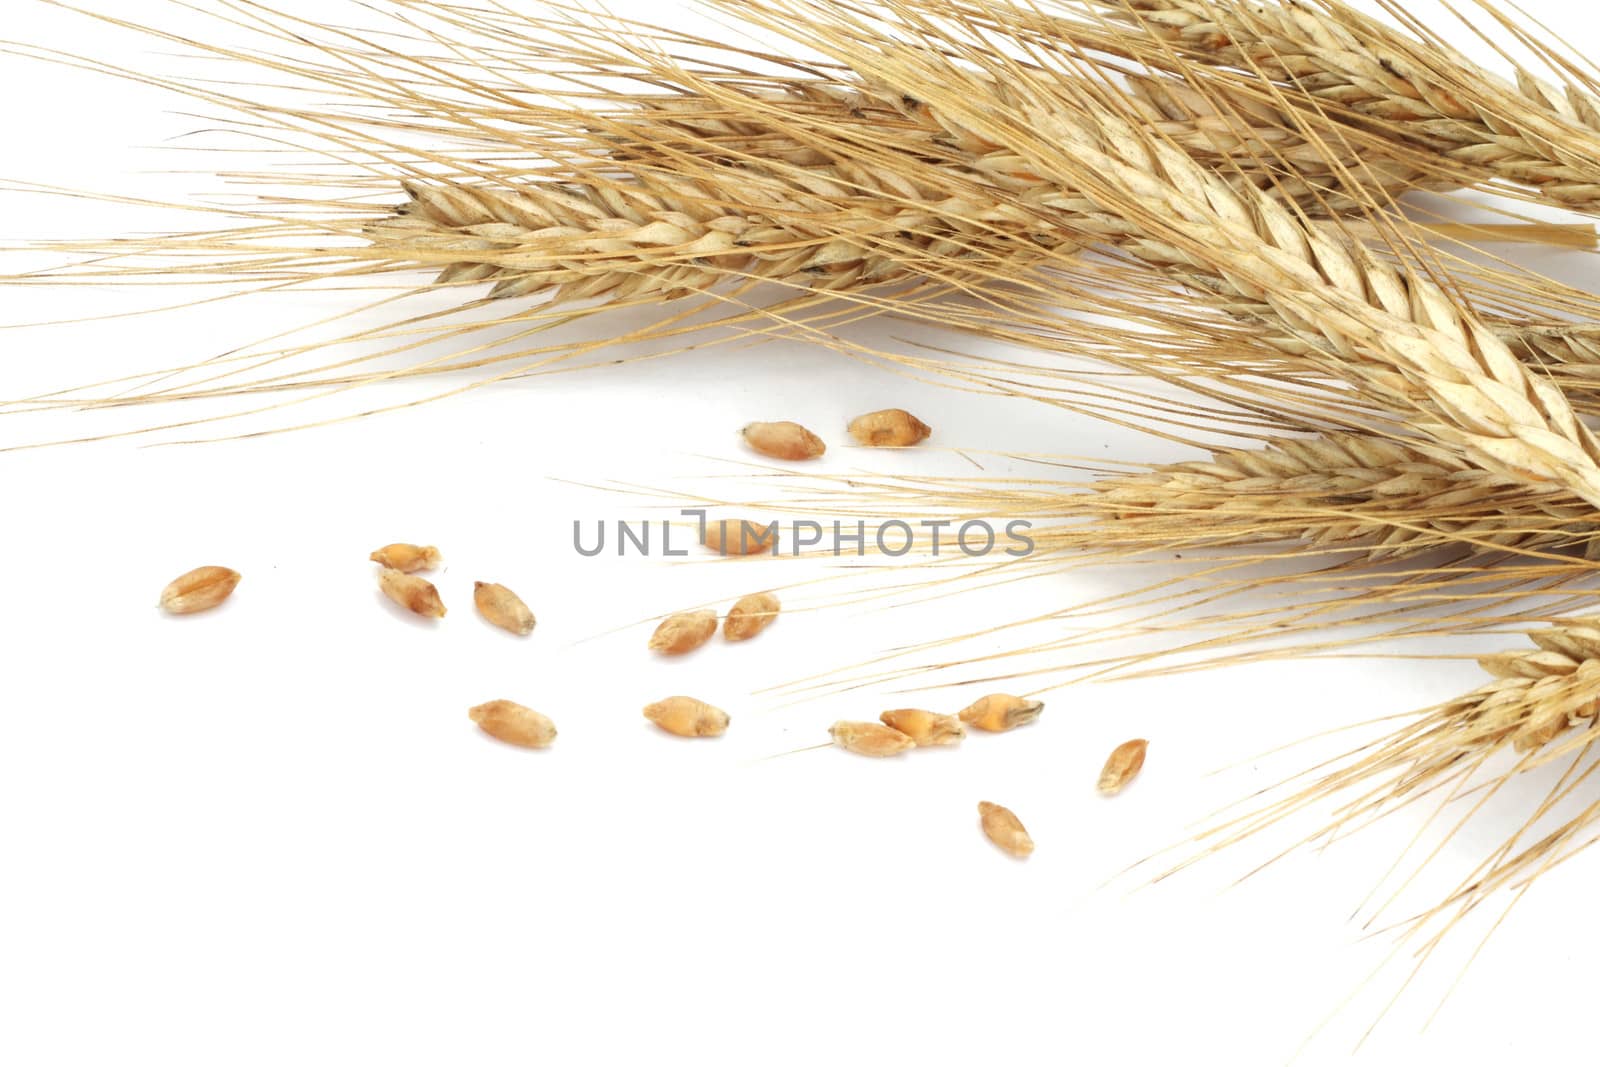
(269,835)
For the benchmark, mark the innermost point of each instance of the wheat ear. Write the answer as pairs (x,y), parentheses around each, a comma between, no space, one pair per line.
(1390,497)
(1417,91)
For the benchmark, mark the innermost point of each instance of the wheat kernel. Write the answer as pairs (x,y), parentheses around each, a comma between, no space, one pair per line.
(1004,829)
(869,738)
(503,608)
(998,712)
(890,428)
(687,717)
(412,593)
(514,724)
(1122,765)
(683,632)
(739,537)
(200,590)
(926,728)
(750,616)
(783,440)
(408,559)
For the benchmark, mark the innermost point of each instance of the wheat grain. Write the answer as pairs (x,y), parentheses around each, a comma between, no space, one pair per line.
(783,440)
(416,595)
(870,739)
(514,724)
(683,632)
(749,616)
(999,712)
(407,558)
(1122,766)
(198,590)
(889,428)
(739,537)
(926,728)
(687,717)
(503,608)
(1002,827)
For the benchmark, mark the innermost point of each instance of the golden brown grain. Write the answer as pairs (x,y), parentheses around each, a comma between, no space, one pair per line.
(890,428)
(750,616)
(1001,711)
(783,440)
(408,559)
(683,632)
(200,590)
(926,728)
(1004,829)
(687,717)
(503,608)
(412,593)
(870,738)
(514,724)
(739,537)
(1122,765)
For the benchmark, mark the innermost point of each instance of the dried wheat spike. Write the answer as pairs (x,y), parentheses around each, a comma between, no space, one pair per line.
(514,724)
(683,632)
(416,595)
(749,616)
(999,712)
(1124,763)
(1002,827)
(407,558)
(783,440)
(666,236)
(687,717)
(1422,93)
(1395,497)
(926,728)
(199,590)
(870,739)
(1246,140)
(1536,695)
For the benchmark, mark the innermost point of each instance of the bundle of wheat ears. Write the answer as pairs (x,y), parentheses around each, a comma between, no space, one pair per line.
(1188,212)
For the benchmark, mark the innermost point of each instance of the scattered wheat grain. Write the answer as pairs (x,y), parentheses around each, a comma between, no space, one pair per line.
(999,712)
(750,616)
(739,537)
(687,717)
(412,593)
(890,428)
(408,559)
(870,738)
(1122,765)
(683,632)
(1002,827)
(200,590)
(503,608)
(783,440)
(514,724)
(926,728)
